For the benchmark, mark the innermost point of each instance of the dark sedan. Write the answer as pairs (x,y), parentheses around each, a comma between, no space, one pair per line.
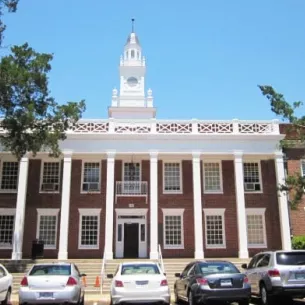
(204,281)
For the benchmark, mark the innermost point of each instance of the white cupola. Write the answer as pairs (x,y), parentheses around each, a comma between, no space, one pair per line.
(132,102)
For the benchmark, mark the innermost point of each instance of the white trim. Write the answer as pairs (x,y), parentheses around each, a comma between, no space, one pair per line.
(8,212)
(261,212)
(245,160)
(89,212)
(93,160)
(47,212)
(173,212)
(163,177)
(43,161)
(8,159)
(219,162)
(215,212)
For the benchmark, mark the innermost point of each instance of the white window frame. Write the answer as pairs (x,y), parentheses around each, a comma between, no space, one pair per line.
(8,159)
(259,176)
(173,212)
(163,176)
(8,212)
(100,176)
(89,212)
(260,212)
(47,212)
(42,173)
(302,161)
(220,191)
(215,212)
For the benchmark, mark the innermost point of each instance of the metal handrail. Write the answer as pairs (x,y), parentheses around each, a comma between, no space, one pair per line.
(103,271)
(160,258)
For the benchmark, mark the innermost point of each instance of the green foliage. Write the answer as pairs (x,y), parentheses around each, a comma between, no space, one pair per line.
(295,183)
(32,118)
(298,242)
(10,6)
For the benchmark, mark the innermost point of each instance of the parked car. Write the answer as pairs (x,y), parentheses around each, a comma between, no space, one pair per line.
(6,281)
(204,281)
(274,274)
(139,282)
(52,283)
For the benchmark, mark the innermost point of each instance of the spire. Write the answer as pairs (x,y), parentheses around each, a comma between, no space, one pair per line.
(132,25)
(132,37)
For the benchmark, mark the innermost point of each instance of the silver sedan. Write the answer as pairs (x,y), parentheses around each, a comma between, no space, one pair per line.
(52,283)
(139,282)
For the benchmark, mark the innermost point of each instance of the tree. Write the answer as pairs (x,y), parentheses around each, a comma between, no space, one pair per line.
(11,6)
(32,120)
(295,131)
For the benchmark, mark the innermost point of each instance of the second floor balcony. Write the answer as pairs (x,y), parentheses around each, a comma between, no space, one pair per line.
(131,189)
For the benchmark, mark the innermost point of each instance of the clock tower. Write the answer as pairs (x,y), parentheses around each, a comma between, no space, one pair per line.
(130,102)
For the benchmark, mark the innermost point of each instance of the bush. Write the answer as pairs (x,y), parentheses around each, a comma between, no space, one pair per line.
(298,242)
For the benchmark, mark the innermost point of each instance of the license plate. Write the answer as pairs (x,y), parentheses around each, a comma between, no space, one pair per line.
(300,276)
(225,283)
(46,295)
(141,284)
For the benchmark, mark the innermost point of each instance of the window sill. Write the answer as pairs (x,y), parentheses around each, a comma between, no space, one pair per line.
(213,192)
(172,193)
(257,246)
(88,248)
(49,247)
(44,192)
(8,191)
(172,247)
(253,192)
(216,247)
(90,193)
(6,248)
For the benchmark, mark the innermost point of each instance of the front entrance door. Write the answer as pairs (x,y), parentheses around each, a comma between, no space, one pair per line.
(131,240)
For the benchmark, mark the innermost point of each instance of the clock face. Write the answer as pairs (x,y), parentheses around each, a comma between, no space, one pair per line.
(132,81)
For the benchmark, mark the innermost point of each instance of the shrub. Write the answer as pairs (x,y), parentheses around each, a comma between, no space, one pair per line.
(298,242)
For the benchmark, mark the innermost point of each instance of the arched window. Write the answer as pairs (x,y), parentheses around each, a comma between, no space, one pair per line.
(132,55)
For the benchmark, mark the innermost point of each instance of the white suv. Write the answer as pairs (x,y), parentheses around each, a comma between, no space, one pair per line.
(275,274)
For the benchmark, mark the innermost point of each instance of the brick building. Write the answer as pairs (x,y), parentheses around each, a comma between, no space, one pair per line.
(130,185)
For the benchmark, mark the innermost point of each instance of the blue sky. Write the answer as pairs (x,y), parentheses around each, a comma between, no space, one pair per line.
(204,58)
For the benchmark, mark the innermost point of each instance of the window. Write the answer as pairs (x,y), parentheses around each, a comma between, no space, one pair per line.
(214,228)
(212,177)
(256,230)
(7,220)
(9,178)
(172,177)
(91,177)
(50,177)
(132,178)
(89,228)
(303,168)
(173,228)
(47,227)
(252,181)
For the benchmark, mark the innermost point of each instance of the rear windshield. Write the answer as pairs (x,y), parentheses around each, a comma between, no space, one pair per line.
(139,269)
(51,270)
(217,267)
(290,258)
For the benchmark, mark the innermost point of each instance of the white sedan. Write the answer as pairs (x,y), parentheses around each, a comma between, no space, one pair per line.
(6,281)
(139,282)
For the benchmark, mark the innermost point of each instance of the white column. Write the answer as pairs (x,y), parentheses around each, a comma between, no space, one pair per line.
(240,206)
(197,207)
(153,205)
(108,249)
(65,207)
(20,208)
(282,202)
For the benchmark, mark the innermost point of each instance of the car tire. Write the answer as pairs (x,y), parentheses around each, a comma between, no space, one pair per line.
(191,299)
(7,299)
(266,299)
(244,302)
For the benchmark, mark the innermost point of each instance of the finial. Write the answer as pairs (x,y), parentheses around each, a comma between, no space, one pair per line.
(132,25)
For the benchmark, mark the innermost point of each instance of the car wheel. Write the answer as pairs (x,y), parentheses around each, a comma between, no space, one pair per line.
(244,302)
(7,299)
(191,300)
(266,299)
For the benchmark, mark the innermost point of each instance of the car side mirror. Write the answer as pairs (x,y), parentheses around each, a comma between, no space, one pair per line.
(177,274)
(244,266)
(109,276)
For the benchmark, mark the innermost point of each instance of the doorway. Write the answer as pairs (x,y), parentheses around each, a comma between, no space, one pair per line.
(131,240)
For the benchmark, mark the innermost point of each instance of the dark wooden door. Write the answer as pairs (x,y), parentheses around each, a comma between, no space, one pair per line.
(131,240)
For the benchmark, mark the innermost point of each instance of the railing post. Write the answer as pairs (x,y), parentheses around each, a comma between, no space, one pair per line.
(235,126)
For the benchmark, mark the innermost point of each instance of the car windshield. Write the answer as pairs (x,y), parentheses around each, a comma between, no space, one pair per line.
(217,267)
(290,258)
(139,269)
(51,270)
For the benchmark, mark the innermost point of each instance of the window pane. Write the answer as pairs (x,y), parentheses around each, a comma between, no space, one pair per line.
(173,228)
(214,230)
(91,178)
(9,176)
(50,179)
(255,230)
(212,177)
(89,230)
(172,177)
(47,229)
(6,230)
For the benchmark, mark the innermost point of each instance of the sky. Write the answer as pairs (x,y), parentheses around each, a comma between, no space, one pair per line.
(205,58)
